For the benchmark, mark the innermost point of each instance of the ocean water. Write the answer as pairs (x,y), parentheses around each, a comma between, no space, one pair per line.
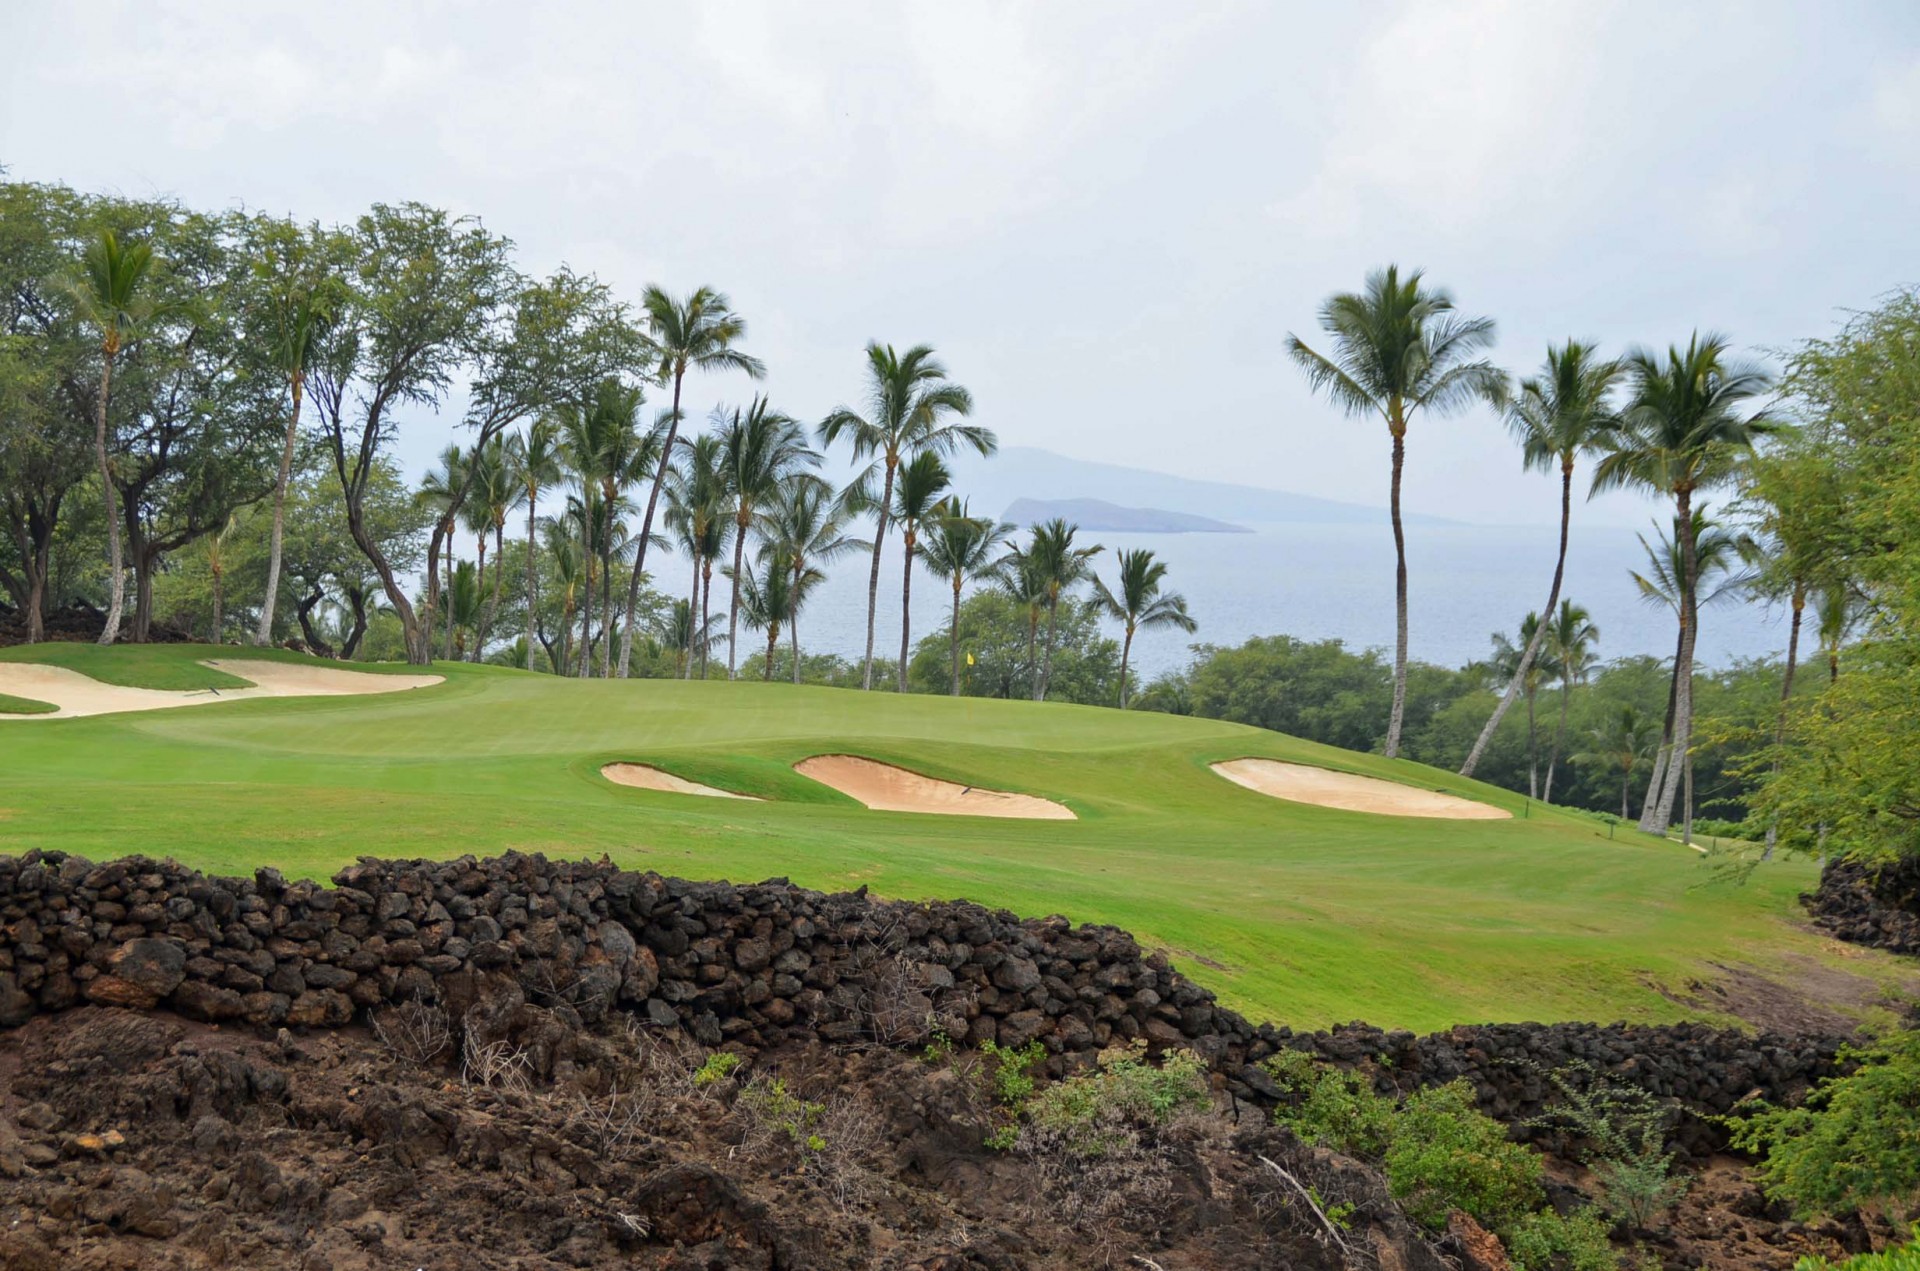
(1333,582)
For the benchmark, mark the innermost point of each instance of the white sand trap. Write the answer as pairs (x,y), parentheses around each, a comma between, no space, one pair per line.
(885,788)
(76,694)
(644,777)
(1350,792)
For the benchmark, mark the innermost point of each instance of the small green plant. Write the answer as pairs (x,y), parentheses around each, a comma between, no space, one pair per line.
(768,1103)
(1905,1257)
(1332,1108)
(1544,1239)
(939,1048)
(1013,1070)
(717,1068)
(1091,1113)
(1445,1154)
(1852,1142)
(1621,1132)
(1340,1214)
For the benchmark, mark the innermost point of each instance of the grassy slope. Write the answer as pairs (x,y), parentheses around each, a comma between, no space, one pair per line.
(1301,914)
(11,705)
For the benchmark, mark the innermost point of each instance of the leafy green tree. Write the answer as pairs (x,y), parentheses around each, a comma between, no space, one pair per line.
(806,524)
(440,492)
(1399,348)
(697,333)
(1687,425)
(1556,416)
(1139,604)
(535,459)
(493,492)
(923,484)
(1318,690)
(910,408)
(960,548)
(993,630)
(1621,742)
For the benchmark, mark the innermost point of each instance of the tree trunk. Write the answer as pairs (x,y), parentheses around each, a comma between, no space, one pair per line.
(693,615)
(116,584)
(906,607)
(586,625)
(144,562)
(954,631)
(733,606)
(646,522)
(533,581)
(493,602)
(1033,646)
(1626,787)
(263,633)
(1126,652)
(773,643)
(1539,632)
(607,493)
(1533,751)
(1046,665)
(1559,740)
(1665,748)
(357,601)
(873,576)
(793,634)
(303,613)
(219,615)
(1786,695)
(1657,818)
(706,612)
(449,594)
(1398,717)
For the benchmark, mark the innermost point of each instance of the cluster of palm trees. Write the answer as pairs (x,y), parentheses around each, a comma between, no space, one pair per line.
(1674,425)
(1563,654)
(744,500)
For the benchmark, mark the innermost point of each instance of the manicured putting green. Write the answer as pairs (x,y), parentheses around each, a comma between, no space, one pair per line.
(1298,913)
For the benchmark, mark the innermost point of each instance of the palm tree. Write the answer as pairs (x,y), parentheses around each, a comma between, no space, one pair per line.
(492,492)
(1570,640)
(1140,605)
(682,631)
(1718,559)
(699,511)
(603,446)
(923,481)
(114,298)
(1685,429)
(697,333)
(807,525)
(959,547)
(911,403)
(1061,566)
(1022,576)
(463,603)
(1835,616)
(570,571)
(767,599)
(1621,742)
(759,452)
(1509,663)
(1399,348)
(216,549)
(297,324)
(1556,416)
(441,491)
(535,460)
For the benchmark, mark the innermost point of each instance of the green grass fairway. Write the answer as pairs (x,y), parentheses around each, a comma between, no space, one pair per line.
(10,705)
(1293,913)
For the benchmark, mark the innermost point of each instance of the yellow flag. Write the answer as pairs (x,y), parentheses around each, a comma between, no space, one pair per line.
(969,659)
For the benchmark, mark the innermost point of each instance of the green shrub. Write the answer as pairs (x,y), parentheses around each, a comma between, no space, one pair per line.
(1904,1258)
(1013,1070)
(1543,1240)
(1088,1113)
(1333,1108)
(1445,1154)
(1856,1140)
(767,1104)
(1622,1131)
(718,1067)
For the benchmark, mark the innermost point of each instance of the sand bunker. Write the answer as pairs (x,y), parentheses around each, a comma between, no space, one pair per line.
(76,694)
(1326,788)
(885,788)
(643,777)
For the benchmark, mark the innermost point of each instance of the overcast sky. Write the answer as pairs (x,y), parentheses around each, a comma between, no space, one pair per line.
(1106,217)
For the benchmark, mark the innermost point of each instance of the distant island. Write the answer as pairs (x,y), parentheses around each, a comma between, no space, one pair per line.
(1100,516)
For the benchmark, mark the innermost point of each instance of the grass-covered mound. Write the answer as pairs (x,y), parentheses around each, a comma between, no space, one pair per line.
(1292,912)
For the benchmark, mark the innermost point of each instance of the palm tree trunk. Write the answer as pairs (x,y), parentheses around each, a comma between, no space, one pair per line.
(1033,645)
(1539,632)
(607,493)
(954,631)
(706,610)
(906,607)
(1046,666)
(694,633)
(646,522)
(116,582)
(1398,715)
(586,626)
(1660,816)
(873,576)
(1126,652)
(733,606)
(1533,751)
(448,653)
(219,605)
(793,635)
(1559,740)
(1786,695)
(773,643)
(1626,787)
(533,576)
(263,634)
(1665,748)
(493,603)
